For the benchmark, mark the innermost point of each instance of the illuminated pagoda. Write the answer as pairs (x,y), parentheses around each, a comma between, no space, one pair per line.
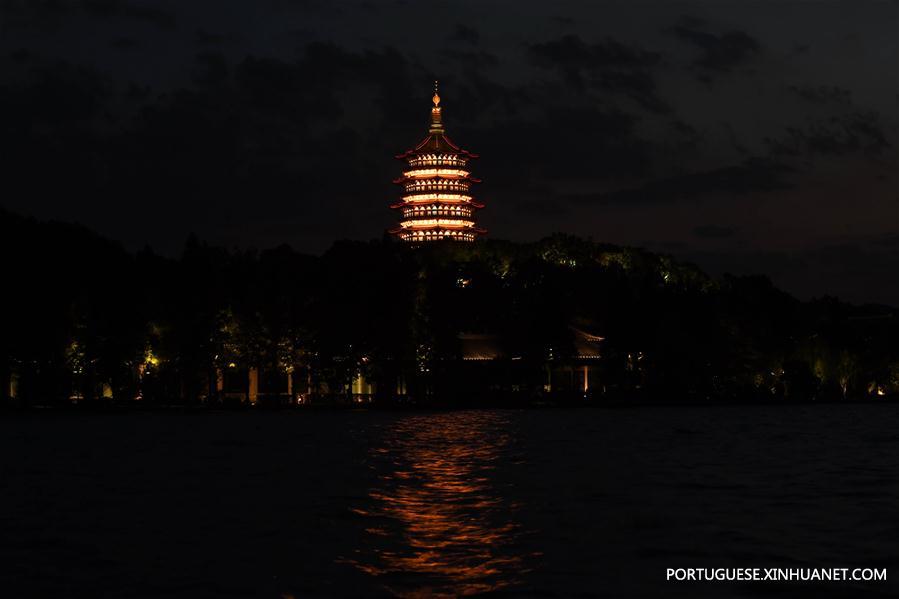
(436,202)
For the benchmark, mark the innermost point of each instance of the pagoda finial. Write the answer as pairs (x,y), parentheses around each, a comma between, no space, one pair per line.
(436,120)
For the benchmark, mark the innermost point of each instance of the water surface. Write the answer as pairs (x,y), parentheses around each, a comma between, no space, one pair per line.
(548,503)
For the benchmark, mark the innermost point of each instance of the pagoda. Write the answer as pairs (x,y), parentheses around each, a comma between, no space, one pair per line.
(436,202)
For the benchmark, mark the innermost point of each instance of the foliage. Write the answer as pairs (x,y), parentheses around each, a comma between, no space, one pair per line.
(82,315)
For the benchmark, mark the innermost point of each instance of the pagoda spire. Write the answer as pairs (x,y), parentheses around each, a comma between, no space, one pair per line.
(436,117)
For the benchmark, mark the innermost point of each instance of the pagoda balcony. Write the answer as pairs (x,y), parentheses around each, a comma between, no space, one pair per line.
(431,162)
(441,197)
(421,173)
(438,234)
(430,223)
(436,186)
(413,213)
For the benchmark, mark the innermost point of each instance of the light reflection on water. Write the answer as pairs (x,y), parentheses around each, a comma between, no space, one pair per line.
(437,522)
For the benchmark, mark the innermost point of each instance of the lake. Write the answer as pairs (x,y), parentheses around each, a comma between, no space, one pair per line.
(534,503)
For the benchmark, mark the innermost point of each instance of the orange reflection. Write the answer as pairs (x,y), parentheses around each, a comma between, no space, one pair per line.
(437,524)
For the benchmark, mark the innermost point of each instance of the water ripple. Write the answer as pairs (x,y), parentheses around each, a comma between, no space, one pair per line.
(436,522)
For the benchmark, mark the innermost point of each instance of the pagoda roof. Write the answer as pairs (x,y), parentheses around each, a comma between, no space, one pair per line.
(491,347)
(586,345)
(436,143)
(473,203)
(481,347)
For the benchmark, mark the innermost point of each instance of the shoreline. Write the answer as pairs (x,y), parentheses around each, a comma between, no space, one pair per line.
(424,407)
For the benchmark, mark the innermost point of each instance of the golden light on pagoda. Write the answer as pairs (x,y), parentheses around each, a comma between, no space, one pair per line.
(443,197)
(436,172)
(437,204)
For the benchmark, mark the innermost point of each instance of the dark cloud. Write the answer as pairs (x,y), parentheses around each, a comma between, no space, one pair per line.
(823,94)
(124,43)
(135,92)
(849,268)
(20,55)
(207,38)
(264,137)
(464,33)
(551,144)
(572,53)
(124,9)
(247,141)
(39,13)
(544,205)
(753,176)
(562,141)
(713,232)
(57,95)
(719,52)
(473,60)
(887,241)
(608,65)
(478,96)
(734,139)
(858,132)
(563,21)
(685,136)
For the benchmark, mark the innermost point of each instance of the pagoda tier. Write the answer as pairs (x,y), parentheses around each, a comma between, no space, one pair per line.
(436,203)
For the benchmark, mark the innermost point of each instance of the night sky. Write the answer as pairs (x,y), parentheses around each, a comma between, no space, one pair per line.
(746,136)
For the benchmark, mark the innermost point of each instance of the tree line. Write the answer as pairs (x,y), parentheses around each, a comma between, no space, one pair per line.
(85,319)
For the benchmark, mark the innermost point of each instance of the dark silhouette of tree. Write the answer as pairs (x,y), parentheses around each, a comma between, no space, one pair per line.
(83,320)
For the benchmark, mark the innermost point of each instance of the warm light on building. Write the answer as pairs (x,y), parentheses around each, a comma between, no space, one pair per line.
(436,172)
(428,223)
(436,204)
(443,198)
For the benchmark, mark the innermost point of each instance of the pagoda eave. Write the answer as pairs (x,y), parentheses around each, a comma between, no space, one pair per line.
(405,204)
(441,144)
(466,178)
(410,227)
(415,153)
(467,229)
